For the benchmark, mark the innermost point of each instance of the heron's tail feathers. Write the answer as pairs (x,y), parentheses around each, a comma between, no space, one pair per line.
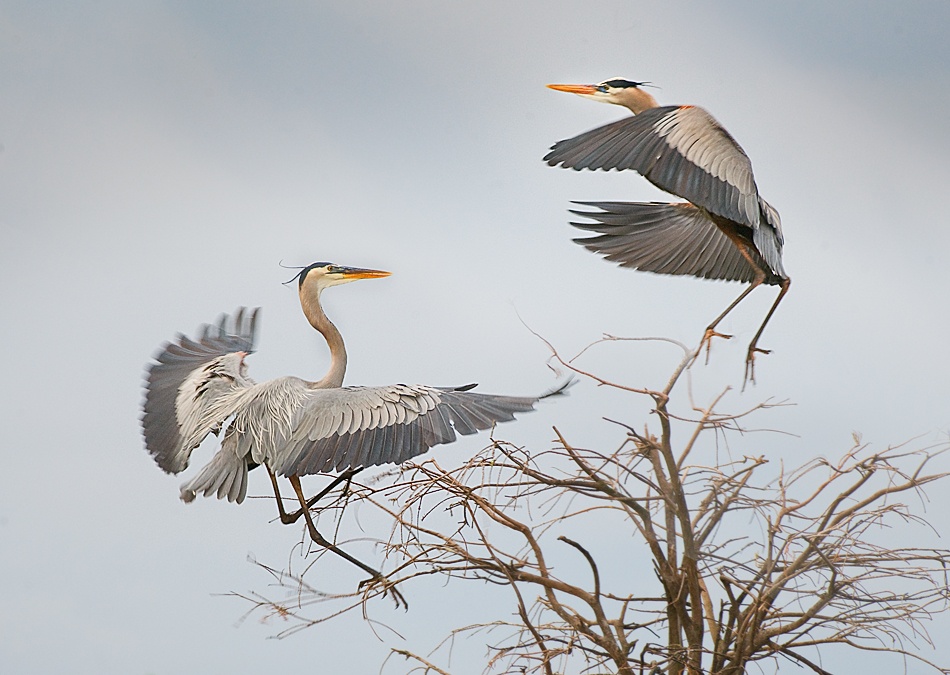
(225,474)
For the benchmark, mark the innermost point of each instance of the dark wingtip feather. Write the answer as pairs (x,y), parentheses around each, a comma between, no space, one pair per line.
(559,389)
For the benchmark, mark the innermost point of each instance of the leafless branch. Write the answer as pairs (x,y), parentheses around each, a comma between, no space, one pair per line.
(751,561)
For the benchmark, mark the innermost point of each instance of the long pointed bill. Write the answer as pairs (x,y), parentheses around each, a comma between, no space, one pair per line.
(582,89)
(354,273)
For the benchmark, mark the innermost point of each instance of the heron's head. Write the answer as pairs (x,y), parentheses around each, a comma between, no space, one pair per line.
(617,91)
(322,275)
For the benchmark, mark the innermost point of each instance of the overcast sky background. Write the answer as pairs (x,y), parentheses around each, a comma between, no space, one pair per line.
(157,161)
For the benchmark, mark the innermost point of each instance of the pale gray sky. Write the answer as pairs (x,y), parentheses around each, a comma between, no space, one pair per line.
(157,161)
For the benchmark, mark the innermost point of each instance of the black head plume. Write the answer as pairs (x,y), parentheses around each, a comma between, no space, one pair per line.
(619,83)
(302,274)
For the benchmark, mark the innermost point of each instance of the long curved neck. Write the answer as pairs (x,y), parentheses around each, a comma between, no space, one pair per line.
(310,302)
(637,100)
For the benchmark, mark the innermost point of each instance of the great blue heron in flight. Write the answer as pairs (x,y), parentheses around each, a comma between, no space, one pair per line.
(291,426)
(725,230)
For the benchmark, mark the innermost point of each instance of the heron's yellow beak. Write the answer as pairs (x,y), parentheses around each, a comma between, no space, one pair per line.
(354,273)
(583,89)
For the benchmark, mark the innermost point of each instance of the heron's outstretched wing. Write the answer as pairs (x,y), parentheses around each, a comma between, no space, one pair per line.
(338,429)
(663,238)
(680,149)
(185,386)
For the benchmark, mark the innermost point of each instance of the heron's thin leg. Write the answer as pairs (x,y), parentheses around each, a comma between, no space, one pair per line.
(289,518)
(284,518)
(318,538)
(711,328)
(750,356)
(745,250)
(375,575)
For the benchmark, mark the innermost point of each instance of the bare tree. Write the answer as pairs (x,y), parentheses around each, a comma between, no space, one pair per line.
(752,562)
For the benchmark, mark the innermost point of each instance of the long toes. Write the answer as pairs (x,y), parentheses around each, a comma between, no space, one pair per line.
(749,374)
(710,333)
(749,369)
(750,363)
(389,588)
(708,338)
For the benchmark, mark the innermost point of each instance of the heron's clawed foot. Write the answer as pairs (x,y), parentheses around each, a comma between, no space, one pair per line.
(388,588)
(750,363)
(708,338)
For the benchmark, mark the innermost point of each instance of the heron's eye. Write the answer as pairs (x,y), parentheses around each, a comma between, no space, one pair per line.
(332,268)
(602,88)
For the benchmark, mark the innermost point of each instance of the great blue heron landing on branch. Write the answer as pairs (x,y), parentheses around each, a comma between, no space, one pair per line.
(725,230)
(294,427)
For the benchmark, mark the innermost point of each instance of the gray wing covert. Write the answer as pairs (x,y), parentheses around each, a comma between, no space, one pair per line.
(769,240)
(345,428)
(680,149)
(176,363)
(663,238)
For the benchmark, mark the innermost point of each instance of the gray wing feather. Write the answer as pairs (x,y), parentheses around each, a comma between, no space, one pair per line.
(174,364)
(680,149)
(403,422)
(769,240)
(674,239)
